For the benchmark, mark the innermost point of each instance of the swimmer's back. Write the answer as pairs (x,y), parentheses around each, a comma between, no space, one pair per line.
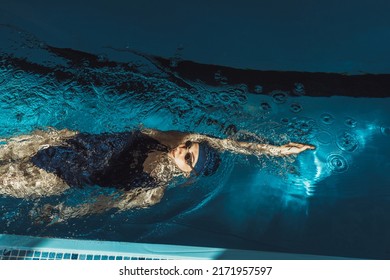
(107,160)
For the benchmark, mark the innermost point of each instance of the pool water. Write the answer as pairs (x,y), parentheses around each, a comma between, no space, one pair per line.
(332,201)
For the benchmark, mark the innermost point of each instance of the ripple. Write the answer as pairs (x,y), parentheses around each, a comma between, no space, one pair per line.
(237,94)
(234,105)
(350,122)
(385,130)
(232,92)
(299,89)
(296,108)
(61,114)
(242,98)
(301,126)
(258,89)
(18,74)
(279,97)
(68,94)
(9,98)
(223,96)
(102,57)
(265,106)
(292,170)
(337,163)
(218,77)
(327,118)
(19,116)
(174,62)
(43,117)
(42,92)
(85,63)
(231,130)
(284,120)
(347,141)
(324,137)
(3,69)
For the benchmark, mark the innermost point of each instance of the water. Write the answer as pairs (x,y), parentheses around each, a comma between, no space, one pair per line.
(333,201)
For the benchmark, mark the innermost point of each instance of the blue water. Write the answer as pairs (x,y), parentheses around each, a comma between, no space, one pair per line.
(333,201)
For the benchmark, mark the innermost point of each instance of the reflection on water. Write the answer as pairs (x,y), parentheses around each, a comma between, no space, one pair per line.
(252,202)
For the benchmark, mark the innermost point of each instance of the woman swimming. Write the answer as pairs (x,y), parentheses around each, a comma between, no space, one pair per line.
(140,164)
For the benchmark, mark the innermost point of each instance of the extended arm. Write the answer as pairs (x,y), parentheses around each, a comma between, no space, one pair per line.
(268,149)
(175,138)
(249,148)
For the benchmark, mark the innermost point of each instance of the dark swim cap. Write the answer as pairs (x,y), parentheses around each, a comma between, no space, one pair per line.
(208,160)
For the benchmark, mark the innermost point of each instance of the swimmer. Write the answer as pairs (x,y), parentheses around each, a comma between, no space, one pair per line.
(140,164)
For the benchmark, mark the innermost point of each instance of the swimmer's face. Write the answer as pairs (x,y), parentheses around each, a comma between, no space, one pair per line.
(185,155)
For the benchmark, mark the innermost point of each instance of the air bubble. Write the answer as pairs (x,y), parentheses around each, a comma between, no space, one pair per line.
(347,141)
(337,163)
(350,122)
(327,118)
(296,108)
(324,137)
(279,97)
(385,130)
(265,106)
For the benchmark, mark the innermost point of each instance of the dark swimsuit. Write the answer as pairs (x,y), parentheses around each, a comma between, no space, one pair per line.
(107,160)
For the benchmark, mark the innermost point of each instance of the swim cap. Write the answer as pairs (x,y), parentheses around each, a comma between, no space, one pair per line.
(208,160)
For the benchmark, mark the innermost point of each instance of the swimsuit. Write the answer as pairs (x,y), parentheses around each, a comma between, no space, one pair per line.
(107,160)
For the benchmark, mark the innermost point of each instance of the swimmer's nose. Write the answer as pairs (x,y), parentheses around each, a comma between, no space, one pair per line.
(181,151)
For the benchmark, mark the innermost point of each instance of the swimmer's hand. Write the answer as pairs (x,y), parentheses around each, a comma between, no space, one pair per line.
(294,148)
